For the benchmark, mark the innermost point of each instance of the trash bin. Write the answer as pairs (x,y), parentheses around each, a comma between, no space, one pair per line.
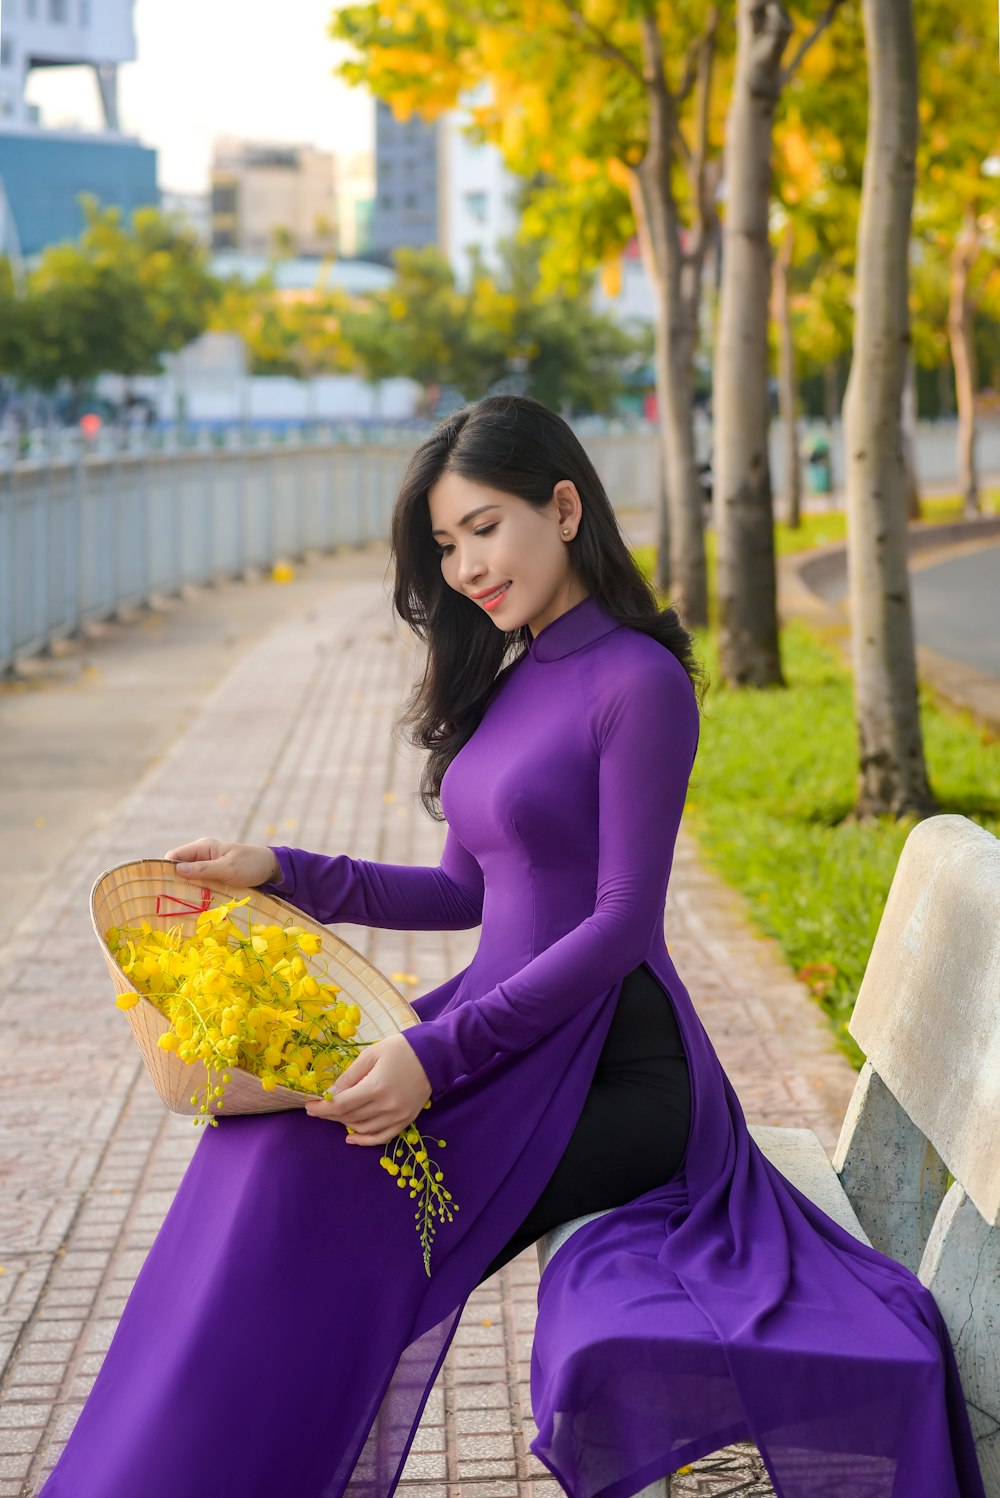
(819,468)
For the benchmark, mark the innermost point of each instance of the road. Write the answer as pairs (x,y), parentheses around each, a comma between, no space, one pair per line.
(956,606)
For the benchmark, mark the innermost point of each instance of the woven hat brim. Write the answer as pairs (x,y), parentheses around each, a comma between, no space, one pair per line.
(151,889)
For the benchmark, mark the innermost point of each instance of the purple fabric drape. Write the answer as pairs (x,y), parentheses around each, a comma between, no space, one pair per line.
(282,1335)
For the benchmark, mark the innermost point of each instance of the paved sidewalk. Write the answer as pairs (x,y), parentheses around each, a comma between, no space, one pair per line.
(295,745)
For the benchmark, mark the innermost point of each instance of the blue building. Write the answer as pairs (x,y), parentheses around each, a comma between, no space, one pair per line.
(43,172)
(405,211)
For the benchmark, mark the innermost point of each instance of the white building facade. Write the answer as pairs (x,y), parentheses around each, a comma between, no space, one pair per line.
(59,33)
(477,194)
(43,172)
(260,187)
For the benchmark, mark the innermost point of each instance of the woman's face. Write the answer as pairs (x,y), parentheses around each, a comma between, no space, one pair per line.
(489,539)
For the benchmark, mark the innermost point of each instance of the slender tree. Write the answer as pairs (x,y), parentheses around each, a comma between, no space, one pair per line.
(957,207)
(819,148)
(892,776)
(788,385)
(744,512)
(675,271)
(961,314)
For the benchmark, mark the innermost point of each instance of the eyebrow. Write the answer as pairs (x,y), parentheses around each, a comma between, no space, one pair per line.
(465,518)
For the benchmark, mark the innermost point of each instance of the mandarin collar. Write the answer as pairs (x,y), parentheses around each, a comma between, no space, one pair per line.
(578,626)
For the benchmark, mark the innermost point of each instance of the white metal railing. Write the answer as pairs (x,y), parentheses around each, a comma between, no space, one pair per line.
(88,528)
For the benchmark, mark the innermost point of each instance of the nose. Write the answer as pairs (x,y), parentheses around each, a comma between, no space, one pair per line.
(470,567)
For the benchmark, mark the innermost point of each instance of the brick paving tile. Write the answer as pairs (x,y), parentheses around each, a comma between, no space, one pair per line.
(89,1176)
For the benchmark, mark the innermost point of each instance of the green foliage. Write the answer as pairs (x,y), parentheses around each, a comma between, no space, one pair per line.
(301,336)
(88,318)
(419,327)
(114,300)
(429,329)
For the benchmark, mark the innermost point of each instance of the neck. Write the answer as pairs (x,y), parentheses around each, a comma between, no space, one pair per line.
(567,599)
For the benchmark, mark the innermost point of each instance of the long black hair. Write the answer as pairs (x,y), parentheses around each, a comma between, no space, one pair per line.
(515,444)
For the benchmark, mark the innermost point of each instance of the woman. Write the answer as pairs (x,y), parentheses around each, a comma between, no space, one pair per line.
(282,1336)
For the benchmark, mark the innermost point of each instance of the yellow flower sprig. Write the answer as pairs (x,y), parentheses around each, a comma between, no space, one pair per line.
(408,1161)
(248,1000)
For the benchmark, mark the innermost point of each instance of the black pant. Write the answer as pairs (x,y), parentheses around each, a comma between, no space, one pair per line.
(636,1117)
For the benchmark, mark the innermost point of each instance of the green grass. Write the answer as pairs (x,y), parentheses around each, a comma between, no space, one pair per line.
(770,802)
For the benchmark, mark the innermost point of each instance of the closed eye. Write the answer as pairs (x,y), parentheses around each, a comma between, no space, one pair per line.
(443,551)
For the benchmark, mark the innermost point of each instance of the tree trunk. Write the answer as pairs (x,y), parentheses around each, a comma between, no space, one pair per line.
(963,358)
(909,430)
(787,381)
(682,566)
(676,278)
(892,777)
(744,513)
(659,243)
(662,558)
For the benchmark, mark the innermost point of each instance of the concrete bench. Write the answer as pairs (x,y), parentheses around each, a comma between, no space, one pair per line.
(916,1172)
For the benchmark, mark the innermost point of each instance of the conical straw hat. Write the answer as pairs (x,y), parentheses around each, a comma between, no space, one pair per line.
(151,889)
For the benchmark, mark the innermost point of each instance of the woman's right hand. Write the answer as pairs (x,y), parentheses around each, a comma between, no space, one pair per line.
(242,864)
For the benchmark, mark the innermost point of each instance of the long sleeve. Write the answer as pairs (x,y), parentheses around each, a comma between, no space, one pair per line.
(399,897)
(646,732)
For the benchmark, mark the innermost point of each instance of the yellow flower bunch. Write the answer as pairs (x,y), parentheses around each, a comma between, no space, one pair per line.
(248,1000)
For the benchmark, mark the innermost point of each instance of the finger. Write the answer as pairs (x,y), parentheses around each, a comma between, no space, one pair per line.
(350,1120)
(188,851)
(361,1118)
(322,1110)
(358,1088)
(377,1137)
(317,1108)
(376,1128)
(346,1112)
(358,1069)
(204,868)
(374,1115)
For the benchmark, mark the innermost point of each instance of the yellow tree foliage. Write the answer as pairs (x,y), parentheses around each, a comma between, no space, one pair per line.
(566,100)
(819,153)
(820,138)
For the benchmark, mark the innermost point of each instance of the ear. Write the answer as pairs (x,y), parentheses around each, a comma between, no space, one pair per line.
(567,499)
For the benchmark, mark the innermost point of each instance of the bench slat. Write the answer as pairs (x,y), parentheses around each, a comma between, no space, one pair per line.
(961,1268)
(927,1014)
(894,1177)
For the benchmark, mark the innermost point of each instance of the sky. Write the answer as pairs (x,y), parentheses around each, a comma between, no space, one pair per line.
(220,67)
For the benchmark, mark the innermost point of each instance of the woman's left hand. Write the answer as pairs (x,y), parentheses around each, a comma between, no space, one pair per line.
(379,1094)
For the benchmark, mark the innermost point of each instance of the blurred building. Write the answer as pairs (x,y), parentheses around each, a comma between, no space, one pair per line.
(42,171)
(263,194)
(405,212)
(436,186)
(634,299)
(478,198)
(193,208)
(355,188)
(301,277)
